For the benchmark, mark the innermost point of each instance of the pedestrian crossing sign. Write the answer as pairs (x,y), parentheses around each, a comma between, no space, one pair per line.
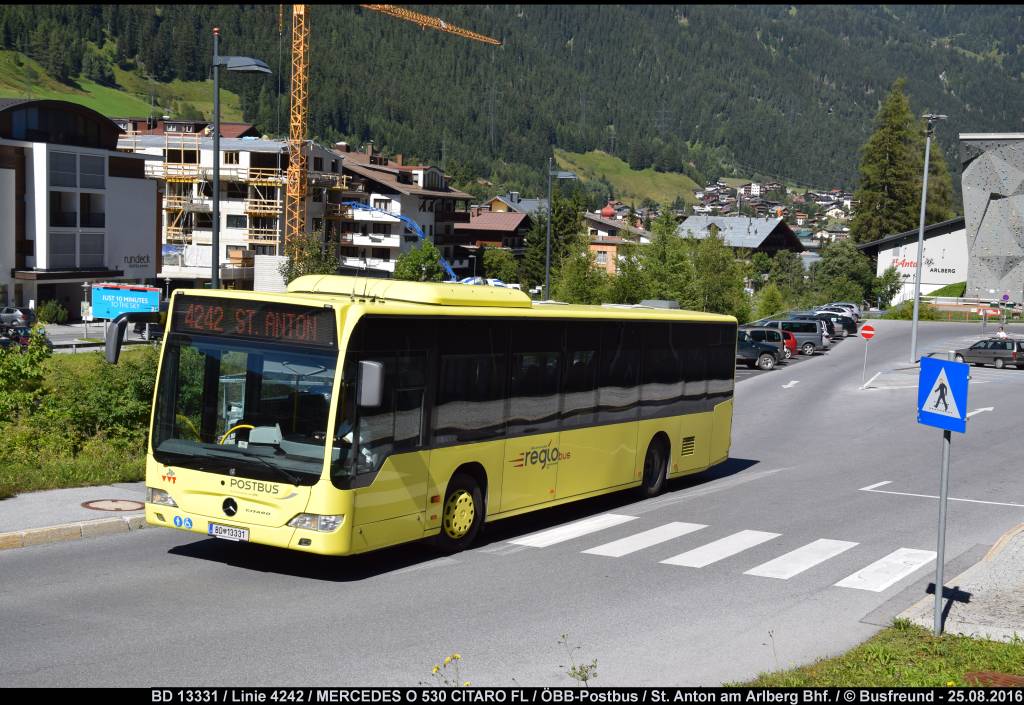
(942,394)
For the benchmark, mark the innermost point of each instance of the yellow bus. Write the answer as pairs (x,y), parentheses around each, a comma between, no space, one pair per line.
(350,414)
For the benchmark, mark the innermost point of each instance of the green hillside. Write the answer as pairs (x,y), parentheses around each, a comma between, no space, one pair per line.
(22,77)
(628,184)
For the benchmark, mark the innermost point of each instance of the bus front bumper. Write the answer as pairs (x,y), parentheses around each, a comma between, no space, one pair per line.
(334,543)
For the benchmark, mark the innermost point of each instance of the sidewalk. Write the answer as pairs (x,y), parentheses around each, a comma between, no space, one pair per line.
(59,515)
(990,599)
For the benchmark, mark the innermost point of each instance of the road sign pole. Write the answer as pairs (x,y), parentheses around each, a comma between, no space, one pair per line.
(941,552)
(864,371)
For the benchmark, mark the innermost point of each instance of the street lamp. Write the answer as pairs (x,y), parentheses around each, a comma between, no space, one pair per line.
(932,119)
(547,257)
(231,63)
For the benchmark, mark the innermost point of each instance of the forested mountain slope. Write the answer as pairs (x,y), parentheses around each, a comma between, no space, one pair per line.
(782,91)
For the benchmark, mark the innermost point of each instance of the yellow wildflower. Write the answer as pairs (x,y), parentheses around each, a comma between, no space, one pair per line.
(466,683)
(436,668)
(447,660)
(950,683)
(456,656)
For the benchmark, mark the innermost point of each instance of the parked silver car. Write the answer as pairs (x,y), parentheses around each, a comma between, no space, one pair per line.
(999,352)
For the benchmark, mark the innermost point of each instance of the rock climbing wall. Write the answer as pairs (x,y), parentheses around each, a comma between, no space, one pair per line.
(993,187)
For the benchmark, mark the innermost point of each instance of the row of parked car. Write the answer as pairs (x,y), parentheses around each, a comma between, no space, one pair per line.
(766,342)
(11,336)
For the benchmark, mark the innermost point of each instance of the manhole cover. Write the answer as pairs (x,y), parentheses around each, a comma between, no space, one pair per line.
(114,505)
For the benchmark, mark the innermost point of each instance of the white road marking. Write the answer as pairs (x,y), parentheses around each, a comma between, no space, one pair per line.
(790,385)
(868,383)
(549,537)
(786,566)
(722,548)
(877,484)
(645,539)
(932,496)
(981,410)
(888,571)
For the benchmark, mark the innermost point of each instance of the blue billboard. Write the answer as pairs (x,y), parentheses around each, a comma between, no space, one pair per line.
(111,300)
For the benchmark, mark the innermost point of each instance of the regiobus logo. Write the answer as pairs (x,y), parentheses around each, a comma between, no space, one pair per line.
(539,455)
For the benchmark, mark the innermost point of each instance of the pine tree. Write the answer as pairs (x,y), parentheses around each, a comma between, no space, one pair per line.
(500,264)
(887,194)
(718,282)
(579,280)
(629,285)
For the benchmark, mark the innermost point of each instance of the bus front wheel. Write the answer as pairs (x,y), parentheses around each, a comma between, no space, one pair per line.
(655,463)
(462,514)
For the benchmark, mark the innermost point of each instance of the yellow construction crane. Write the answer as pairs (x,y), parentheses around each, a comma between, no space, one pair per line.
(295,192)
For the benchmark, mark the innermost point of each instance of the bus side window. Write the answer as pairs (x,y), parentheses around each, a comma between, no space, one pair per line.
(691,338)
(470,403)
(661,391)
(579,384)
(619,393)
(534,369)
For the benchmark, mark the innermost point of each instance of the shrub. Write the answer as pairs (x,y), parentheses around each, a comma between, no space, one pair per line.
(905,312)
(52,312)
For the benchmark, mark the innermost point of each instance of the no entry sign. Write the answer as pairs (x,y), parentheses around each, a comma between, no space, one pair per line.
(867,332)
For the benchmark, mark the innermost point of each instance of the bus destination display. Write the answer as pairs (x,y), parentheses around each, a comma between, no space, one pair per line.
(254,320)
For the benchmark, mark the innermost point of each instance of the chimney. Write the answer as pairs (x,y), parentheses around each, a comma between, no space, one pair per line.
(397,159)
(513,196)
(342,147)
(369,148)
(474,211)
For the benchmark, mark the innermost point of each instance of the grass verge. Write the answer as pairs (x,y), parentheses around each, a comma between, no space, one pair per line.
(43,452)
(904,655)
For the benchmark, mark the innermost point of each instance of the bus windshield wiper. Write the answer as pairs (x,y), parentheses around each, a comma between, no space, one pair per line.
(219,462)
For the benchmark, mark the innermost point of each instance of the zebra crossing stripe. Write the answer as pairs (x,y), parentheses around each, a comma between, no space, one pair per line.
(573,530)
(888,571)
(722,548)
(795,562)
(645,539)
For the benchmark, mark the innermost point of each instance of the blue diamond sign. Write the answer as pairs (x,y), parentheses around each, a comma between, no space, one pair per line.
(942,394)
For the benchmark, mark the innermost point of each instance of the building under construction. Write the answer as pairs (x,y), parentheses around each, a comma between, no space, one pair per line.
(253,176)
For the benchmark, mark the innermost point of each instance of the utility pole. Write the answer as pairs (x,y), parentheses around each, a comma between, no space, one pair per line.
(920,233)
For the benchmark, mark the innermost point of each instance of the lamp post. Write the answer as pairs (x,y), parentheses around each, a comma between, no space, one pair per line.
(932,119)
(231,63)
(547,256)
(473,257)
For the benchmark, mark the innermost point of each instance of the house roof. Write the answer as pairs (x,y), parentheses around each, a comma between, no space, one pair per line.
(530,206)
(71,133)
(615,224)
(933,230)
(388,176)
(493,222)
(739,231)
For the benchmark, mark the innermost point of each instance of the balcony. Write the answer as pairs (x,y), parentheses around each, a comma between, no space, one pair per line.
(374,263)
(263,206)
(93,220)
(262,236)
(178,234)
(376,240)
(337,211)
(60,219)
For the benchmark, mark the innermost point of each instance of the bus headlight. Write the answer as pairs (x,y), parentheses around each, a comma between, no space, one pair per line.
(317,522)
(155,496)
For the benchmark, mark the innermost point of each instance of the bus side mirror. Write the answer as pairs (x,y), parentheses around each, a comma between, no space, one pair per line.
(371,382)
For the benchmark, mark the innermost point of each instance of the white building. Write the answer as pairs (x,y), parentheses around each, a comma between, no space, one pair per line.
(253,174)
(944,254)
(420,193)
(73,210)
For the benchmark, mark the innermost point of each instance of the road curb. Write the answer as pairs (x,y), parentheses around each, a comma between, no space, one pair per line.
(72,532)
(1001,543)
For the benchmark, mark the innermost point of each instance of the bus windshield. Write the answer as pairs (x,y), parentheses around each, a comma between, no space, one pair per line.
(239,407)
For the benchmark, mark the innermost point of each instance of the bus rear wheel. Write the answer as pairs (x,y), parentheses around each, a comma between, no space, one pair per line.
(462,514)
(655,466)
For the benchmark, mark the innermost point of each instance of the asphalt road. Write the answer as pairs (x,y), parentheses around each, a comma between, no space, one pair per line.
(157,607)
